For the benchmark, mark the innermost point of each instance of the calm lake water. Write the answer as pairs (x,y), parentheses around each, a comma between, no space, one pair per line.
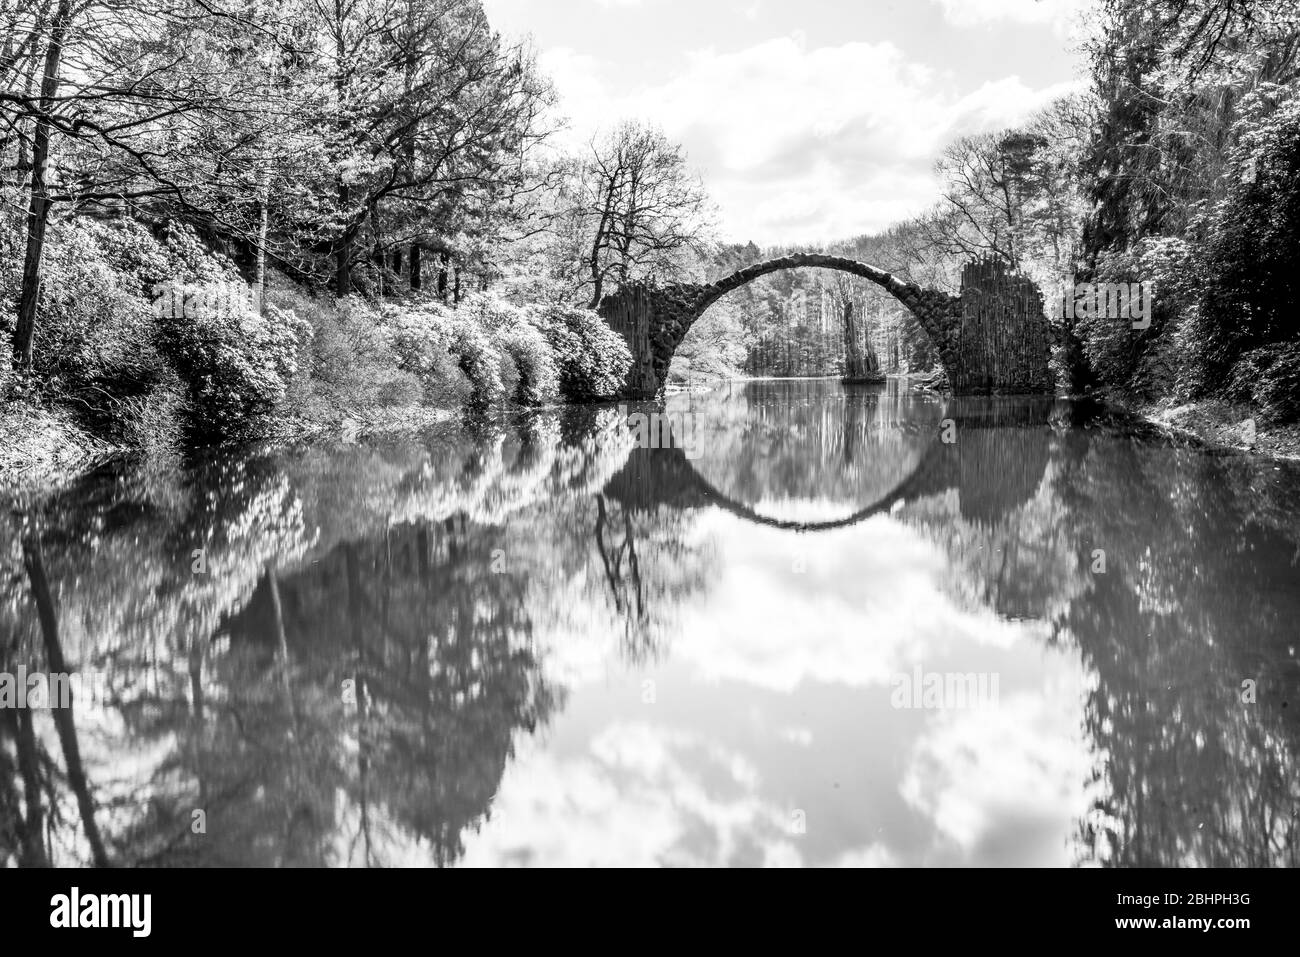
(545,643)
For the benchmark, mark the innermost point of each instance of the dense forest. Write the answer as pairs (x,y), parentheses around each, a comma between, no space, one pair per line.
(231,219)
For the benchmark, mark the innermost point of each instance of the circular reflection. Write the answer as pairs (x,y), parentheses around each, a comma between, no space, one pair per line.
(806,450)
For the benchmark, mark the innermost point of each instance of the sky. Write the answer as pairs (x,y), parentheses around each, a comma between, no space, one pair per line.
(808,120)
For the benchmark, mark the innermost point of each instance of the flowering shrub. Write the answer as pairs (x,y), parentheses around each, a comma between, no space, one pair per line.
(96,330)
(421,340)
(480,360)
(145,333)
(539,378)
(235,368)
(514,332)
(592,358)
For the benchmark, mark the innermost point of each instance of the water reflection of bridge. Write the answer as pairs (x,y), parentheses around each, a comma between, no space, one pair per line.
(995,462)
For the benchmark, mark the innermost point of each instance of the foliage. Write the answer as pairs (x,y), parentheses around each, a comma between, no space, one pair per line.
(593,360)
(421,338)
(98,327)
(1147,362)
(539,377)
(1196,154)
(1269,378)
(348,366)
(1251,295)
(235,367)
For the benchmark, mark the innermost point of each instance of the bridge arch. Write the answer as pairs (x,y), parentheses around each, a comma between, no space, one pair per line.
(993,337)
(995,466)
(648,471)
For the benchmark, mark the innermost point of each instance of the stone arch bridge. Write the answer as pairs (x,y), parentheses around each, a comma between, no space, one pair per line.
(993,338)
(995,466)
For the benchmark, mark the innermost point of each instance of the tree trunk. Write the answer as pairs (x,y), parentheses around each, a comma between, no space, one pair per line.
(343,254)
(597,274)
(377,249)
(63,719)
(259,268)
(443,262)
(417,281)
(38,210)
(32,829)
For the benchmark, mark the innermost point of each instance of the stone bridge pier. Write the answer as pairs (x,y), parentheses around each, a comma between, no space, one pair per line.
(993,338)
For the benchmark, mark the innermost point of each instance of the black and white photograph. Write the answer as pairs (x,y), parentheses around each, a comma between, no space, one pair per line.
(644,434)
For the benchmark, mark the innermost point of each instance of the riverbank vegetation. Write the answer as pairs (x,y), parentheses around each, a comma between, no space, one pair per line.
(236,220)
(1176,165)
(1177,168)
(222,221)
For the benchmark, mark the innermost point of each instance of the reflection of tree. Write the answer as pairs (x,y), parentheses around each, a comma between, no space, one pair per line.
(22,817)
(64,721)
(790,442)
(1002,525)
(1198,596)
(395,671)
(248,721)
(649,567)
(457,678)
(1200,592)
(612,558)
(23,834)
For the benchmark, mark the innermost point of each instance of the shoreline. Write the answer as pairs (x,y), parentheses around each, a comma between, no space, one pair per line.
(1221,426)
(52,449)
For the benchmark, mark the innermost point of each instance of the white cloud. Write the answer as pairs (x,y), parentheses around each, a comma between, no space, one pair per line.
(798,143)
(1061,14)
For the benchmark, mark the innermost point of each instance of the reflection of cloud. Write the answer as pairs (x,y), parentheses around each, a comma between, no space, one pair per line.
(1004,782)
(874,855)
(637,797)
(864,608)
(800,736)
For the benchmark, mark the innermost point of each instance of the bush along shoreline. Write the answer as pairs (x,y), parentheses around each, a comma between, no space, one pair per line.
(151,345)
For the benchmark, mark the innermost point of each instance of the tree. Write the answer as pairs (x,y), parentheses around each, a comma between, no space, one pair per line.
(639,207)
(38,209)
(430,125)
(989,181)
(127,113)
(860,360)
